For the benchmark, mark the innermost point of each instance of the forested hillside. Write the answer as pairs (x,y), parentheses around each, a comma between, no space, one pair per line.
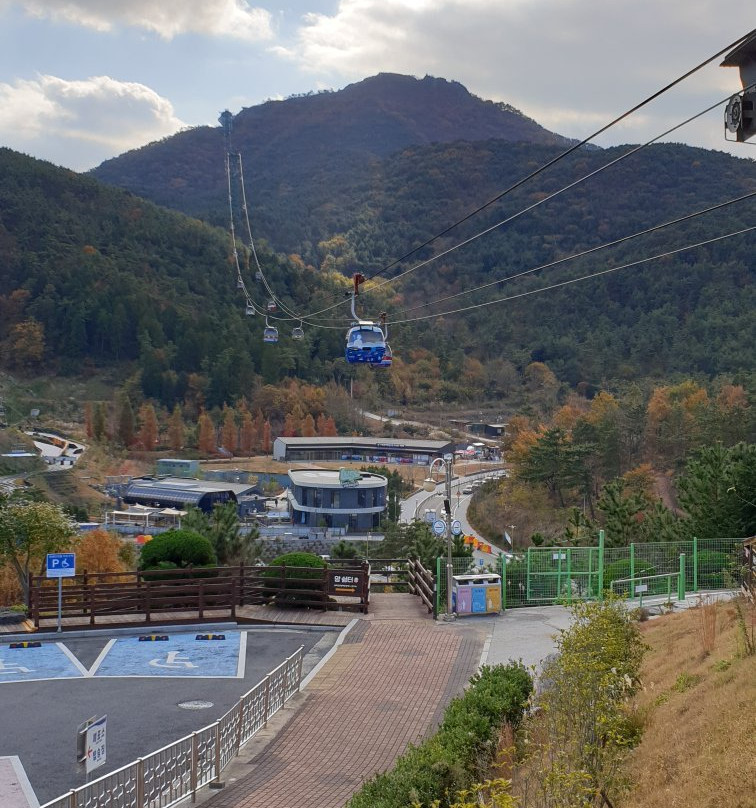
(93,277)
(347,181)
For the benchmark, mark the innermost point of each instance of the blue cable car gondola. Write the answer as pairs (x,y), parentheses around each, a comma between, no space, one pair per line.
(365,343)
(270,333)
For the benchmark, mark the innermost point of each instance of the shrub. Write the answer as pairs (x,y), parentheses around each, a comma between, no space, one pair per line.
(177,549)
(713,567)
(308,566)
(460,751)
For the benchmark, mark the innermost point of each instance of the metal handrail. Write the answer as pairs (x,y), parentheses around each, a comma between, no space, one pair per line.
(178,770)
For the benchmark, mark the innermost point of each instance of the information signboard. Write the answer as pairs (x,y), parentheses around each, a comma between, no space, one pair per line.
(96,752)
(61,565)
(346,582)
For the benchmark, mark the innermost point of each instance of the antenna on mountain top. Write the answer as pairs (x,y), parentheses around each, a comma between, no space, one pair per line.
(226,120)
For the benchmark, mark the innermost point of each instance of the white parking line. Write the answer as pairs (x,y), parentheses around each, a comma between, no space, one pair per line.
(74,661)
(93,670)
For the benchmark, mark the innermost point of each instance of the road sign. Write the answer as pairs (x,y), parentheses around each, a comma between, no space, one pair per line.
(439,527)
(456,527)
(95,745)
(61,565)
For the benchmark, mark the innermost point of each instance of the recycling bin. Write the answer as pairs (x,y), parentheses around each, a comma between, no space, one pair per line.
(476,594)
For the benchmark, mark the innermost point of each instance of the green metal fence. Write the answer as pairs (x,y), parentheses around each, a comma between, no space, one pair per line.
(546,575)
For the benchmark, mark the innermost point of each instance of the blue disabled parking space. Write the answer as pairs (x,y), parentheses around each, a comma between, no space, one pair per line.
(29,662)
(179,655)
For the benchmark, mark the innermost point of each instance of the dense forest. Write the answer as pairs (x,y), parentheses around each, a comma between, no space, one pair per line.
(93,276)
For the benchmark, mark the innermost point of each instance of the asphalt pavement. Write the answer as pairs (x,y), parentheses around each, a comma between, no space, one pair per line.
(140,687)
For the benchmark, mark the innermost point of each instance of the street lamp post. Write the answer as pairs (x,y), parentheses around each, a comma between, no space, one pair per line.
(429,484)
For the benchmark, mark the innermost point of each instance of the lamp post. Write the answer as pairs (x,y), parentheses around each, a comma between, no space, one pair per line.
(429,484)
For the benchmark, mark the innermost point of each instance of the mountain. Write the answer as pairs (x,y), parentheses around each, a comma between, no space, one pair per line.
(324,144)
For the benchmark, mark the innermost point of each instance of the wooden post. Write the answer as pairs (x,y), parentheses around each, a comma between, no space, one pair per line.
(33,602)
(89,596)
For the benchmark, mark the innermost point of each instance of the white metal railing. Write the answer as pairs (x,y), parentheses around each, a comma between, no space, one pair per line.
(179,770)
(639,585)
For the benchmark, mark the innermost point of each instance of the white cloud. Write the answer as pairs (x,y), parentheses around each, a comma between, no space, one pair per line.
(573,65)
(167,18)
(80,123)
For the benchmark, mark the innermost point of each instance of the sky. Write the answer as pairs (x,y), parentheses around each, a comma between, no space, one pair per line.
(82,81)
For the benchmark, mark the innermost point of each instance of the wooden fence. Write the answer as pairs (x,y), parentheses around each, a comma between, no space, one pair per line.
(199,590)
(422,583)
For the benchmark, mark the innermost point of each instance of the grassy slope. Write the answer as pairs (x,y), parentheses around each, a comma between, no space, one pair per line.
(698,744)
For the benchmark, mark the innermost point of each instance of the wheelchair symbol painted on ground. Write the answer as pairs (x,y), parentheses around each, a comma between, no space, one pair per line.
(178,655)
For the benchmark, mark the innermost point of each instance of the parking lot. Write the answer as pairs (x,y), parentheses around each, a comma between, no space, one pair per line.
(153,691)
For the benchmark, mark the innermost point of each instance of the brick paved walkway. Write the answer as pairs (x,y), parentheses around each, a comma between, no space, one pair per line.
(386,686)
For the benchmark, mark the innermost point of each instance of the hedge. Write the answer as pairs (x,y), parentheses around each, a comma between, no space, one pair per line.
(461,750)
(177,549)
(305,566)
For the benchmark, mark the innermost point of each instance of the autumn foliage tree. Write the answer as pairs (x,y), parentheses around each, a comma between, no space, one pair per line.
(206,434)
(28,532)
(228,430)
(100,551)
(148,427)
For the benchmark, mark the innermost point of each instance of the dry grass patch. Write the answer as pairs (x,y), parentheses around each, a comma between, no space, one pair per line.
(698,699)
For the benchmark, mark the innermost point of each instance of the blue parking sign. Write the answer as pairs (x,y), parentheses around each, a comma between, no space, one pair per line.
(61,565)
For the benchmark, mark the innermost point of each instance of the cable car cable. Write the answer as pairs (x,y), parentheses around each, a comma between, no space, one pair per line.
(574,256)
(742,40)
(666,254)
(519,213)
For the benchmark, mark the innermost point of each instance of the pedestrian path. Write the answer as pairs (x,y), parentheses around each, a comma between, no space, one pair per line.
(386,686)
(15,789)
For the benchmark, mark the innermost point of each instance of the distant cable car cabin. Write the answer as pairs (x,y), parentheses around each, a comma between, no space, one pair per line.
(270,333)
(249,310)
(297,332)
(272,305)
(258,275)
(365,343)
